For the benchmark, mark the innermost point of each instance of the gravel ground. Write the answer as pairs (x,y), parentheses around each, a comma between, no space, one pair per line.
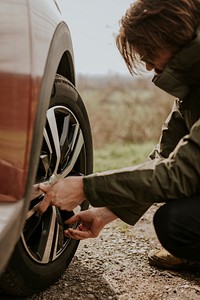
(114,266)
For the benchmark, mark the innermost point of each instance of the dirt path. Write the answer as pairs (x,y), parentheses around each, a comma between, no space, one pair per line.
(114,267)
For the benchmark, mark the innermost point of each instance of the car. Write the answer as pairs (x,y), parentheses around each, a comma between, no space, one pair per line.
(45,135)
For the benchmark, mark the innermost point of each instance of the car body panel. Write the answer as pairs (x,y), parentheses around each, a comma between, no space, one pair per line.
(27,33)
(35,43)
(14,56)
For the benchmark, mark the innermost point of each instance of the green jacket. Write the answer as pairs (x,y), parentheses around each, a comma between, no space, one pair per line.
(174,169)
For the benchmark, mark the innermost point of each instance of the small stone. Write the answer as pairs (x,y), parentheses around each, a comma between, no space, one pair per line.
(91,296)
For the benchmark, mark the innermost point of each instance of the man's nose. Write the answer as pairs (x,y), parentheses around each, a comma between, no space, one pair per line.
(149,67)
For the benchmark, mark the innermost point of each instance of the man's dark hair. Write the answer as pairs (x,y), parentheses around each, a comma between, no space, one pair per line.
(150,26)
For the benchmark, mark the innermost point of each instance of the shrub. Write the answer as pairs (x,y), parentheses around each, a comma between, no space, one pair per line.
(124,109)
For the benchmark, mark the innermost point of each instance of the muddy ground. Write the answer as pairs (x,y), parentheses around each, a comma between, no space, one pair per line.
(114,266)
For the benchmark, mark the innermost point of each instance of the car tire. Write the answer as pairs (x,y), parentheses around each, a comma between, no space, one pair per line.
(29,271)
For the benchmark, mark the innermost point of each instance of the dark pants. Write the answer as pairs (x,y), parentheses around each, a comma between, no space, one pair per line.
(177,224)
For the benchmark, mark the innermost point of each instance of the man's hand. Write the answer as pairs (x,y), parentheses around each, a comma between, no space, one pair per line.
(66,194)
(92,222)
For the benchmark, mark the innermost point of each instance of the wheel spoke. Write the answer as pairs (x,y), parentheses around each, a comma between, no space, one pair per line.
(75,136)
(54,131)
(47,244)
(32,222)
(46,158)
(76,151)
(65,130)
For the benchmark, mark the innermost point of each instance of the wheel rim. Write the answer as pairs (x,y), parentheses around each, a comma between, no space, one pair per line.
(63,153)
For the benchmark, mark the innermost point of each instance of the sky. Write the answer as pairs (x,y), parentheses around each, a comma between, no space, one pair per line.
(94,25)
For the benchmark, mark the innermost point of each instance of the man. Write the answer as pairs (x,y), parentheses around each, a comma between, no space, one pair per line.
(165,36)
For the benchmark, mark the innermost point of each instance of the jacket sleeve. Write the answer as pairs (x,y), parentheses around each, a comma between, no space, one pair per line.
(129,192)
(173,129)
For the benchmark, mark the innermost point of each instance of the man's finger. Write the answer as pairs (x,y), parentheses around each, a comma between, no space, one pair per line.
(77,234)
(44,187)
(70,235)
(44,204)
(73,219)
(74,236)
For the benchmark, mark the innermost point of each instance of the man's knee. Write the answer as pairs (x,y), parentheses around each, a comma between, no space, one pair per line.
(177,226)
(165,220)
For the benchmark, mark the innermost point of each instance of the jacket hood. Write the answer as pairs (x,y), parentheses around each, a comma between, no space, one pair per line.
(183,71)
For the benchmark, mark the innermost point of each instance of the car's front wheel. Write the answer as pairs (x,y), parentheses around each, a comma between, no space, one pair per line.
(43,252)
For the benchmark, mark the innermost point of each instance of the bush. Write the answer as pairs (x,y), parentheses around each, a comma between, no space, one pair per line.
(124,109)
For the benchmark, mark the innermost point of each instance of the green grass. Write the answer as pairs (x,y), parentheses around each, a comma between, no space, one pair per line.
(115,156)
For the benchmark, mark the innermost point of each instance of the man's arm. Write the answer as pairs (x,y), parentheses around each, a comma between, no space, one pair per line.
(173,130)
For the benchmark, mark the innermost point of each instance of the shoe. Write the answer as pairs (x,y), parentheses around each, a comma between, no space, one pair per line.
(165,260)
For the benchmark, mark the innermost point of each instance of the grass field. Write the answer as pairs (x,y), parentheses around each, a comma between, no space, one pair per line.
(126,116)
(115,156)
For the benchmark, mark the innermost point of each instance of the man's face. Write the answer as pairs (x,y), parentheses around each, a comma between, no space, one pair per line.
(160,62)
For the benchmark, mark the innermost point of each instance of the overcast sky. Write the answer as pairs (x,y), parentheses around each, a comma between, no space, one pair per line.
(93,25)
